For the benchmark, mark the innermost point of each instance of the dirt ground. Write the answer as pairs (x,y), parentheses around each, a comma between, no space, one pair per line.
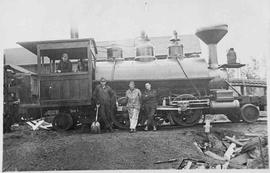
(27,150)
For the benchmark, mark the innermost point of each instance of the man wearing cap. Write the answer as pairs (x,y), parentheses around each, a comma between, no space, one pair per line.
(133,106)
(150,104)
(64,65)
(105,97)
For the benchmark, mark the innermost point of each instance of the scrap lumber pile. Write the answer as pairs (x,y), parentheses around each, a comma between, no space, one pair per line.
(246,151)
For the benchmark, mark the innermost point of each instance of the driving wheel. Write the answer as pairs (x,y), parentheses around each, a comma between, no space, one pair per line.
(188,117)
(62,121)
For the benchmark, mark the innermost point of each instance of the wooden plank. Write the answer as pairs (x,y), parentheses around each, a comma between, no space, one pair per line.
(66,89)
(234,141)
(38,70)
(65,77)
(75,89)
(44,90)
(63,45)
(57,90)
(84,90)
(57,103)
(90,71)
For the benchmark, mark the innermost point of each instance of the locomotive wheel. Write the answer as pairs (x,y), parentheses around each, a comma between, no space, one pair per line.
(187,118)
(121,120)
(249,113)
(62,121)
(234,117)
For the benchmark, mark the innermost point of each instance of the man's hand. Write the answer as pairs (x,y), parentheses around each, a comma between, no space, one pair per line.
(98,105)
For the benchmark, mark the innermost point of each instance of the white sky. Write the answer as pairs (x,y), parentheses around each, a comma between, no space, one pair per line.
(248,20)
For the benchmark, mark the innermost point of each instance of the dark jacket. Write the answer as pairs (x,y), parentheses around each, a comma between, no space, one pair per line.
(65,66)
(104,95)
(149,97)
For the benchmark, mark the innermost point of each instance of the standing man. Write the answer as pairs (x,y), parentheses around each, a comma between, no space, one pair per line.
(133,106)
(64,65)
(105,97)
(150,104)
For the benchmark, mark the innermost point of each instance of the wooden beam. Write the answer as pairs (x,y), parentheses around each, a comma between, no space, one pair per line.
(234,141)
(38,71)
(90,70)
(42,64)
(49,46)
(51,66)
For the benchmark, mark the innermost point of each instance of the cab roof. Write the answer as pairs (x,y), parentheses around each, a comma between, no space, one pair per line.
(32,45)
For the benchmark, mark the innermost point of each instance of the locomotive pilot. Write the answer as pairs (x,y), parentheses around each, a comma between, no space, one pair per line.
(64,65)
(105,97)
(150,103)
(133,96)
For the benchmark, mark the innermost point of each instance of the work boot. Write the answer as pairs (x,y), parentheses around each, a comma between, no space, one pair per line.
(146,128)
(154,128)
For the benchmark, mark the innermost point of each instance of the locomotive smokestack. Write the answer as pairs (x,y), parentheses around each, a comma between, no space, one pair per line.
(74,33)
(211,36)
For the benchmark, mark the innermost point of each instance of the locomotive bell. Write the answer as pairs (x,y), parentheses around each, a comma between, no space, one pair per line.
(144,49)
(175,49)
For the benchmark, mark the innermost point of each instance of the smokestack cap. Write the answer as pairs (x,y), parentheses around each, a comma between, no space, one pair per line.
(213,34)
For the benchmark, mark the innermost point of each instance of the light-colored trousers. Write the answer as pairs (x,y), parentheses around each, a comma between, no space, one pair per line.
(133,117)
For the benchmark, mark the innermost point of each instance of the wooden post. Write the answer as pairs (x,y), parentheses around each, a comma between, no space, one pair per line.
(42,64)
(51,66)
(90,70)
(54,66)
(242,89)
(39,71)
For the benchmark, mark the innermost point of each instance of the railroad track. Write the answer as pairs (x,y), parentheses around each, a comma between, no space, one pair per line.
(261,120)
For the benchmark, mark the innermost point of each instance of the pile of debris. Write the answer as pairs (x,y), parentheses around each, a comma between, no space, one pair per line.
(40,124)
(228,151)
(248,151)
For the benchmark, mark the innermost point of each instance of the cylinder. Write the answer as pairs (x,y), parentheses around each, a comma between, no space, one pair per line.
(249,113)
(223,107)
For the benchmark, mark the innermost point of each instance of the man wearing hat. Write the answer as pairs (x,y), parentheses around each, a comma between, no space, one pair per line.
(105,97)
(64,65)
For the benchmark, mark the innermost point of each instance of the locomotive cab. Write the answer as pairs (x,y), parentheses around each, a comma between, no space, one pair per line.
(64,91)
(73,87)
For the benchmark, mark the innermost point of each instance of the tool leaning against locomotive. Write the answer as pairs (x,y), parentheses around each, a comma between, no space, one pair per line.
(183,81)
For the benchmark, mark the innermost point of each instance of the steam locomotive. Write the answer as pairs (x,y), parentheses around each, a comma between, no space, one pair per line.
(188,88)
